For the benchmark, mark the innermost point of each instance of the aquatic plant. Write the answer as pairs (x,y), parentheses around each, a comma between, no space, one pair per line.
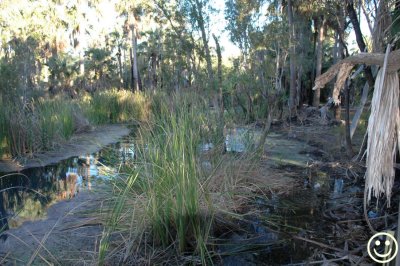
(167,181)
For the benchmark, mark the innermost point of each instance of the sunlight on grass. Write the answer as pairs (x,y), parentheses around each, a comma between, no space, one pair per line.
(115,106)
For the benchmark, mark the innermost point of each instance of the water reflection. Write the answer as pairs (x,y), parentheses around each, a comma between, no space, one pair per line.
(26,195)
(241,139)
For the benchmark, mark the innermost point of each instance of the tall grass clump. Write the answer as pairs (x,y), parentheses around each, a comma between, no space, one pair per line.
(116,106)
(56,120)
(36,126)
(168,181)
(173,179)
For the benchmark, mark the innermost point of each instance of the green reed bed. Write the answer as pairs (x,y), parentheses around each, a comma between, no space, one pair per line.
(40,124)
(36,126)
(115,106)
(167,182)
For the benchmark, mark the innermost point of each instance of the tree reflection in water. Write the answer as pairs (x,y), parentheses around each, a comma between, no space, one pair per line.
(25,196)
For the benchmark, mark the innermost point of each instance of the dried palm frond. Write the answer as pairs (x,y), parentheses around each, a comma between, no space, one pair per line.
(383,128)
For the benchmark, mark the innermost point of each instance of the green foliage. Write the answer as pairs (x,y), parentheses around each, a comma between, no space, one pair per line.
(63,69)
(100,66)
(116,106)
(9,82)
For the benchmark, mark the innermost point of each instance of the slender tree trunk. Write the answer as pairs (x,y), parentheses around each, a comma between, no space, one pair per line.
(298,85)
(200,22)
(189,68)
(134,56)
(349,147)
(133,87)
(153,72)
(219,69)
(119,55)
(220,94)
(319,50)
(292,90)
(267,127)
(124,67)
(277,67)
(359,38)
(140,84)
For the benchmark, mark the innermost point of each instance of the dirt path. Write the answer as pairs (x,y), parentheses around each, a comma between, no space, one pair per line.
(79,144)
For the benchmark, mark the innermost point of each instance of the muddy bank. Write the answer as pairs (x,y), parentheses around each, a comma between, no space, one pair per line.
(80,144)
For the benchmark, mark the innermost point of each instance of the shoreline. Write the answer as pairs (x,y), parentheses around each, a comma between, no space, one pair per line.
(79,144)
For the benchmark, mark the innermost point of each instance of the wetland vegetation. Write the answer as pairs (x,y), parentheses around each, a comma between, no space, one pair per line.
(197,132)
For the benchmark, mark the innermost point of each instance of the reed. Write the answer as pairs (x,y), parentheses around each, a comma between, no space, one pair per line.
(116,106)
(167,181)
(39,125)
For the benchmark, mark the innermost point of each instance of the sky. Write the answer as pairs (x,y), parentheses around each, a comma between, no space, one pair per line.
(217,26)
(352,43)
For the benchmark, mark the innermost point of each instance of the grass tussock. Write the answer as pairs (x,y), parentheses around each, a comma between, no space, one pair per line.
(176,197)
(167,182)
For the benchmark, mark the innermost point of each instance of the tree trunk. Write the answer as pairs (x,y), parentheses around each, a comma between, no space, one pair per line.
(359,37)
(133,87)
(298,85)
(119,55)
(220,94)
(349,147)
(134,56)
(292,90)
(319,48)
(153,71)
(219,69)
(124,67)
(189,69)
(267,127)
(278,85)
(200,22)
(339,53)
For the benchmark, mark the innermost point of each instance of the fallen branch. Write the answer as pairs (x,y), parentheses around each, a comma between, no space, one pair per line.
(344,67)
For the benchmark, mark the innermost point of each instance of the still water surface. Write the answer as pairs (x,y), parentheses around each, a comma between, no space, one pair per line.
(25,196)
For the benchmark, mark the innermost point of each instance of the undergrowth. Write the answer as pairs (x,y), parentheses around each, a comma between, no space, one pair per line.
(39,124)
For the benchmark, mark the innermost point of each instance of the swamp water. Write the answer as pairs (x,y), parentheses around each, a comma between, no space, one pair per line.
(266,239)
(25,196)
